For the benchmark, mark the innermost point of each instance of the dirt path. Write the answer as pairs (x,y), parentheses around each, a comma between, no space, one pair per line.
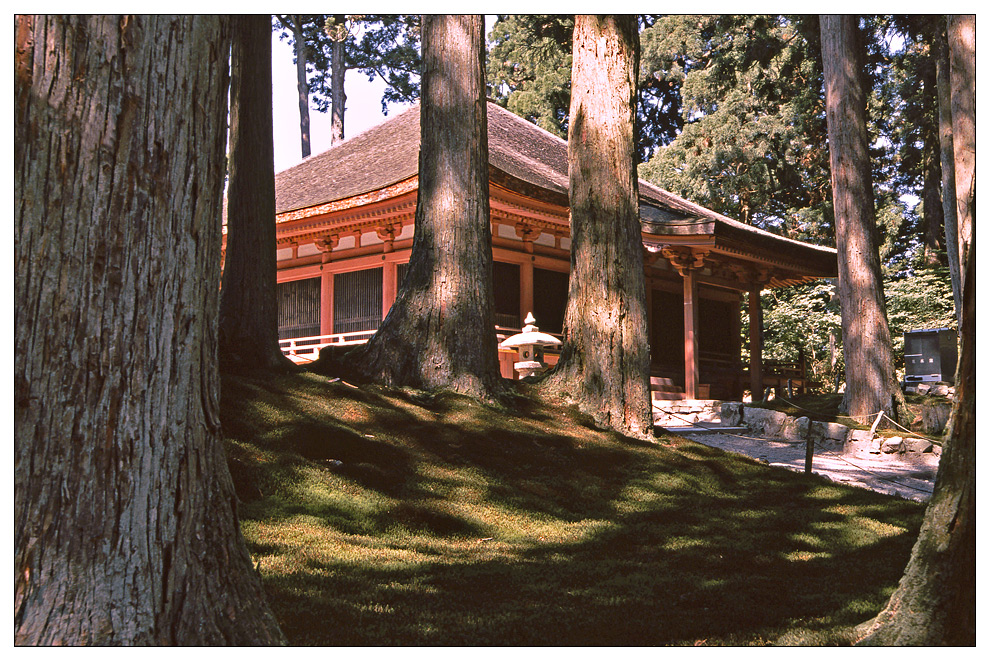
(912,480)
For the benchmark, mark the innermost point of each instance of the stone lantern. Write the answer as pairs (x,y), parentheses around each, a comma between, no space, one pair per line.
(529,343)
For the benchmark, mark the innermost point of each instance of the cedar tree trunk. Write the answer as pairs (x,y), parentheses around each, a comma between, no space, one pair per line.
(871,383)
(935,602)
(962,77)
(948,172)
(337,95)
(248,306)
(125,524)
(934,216)
(605,360)
(932,195)
(302,85)
(440,332)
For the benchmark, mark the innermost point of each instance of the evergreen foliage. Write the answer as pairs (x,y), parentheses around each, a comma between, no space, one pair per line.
(529,73)
(753,144)
(378,45)
(804,320)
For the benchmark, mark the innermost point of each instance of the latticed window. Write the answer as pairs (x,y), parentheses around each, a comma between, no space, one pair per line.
(357,301)
(298,308)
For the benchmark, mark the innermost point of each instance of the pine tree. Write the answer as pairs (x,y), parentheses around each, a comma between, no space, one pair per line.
(384,46)
(529,73)
(753,140)
(295,24)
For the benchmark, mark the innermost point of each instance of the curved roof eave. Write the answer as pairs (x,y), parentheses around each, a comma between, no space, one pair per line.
(522,156)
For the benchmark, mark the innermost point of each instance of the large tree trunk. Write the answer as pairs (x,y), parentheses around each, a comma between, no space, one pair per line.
(948,172)
(440,332)
(337,94)
(962,76)
(125,525)
(934,219)
(871,383)
(605,360)
(302,85)
(935,602)
(248,305)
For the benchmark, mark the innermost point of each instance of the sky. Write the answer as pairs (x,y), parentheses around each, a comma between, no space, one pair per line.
(362,111)
(363,107)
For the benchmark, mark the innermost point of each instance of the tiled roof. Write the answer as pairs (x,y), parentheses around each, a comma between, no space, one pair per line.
(388,153)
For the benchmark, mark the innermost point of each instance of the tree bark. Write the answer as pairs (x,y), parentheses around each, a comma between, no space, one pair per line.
(871,382)
(302,85)
(935,602)
(933,215)
(605,360)
(125,525)
(962,77)
(948,172)
(248,305)
(440,332)
(337,94)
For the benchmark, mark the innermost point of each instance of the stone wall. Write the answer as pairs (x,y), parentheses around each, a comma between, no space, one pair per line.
(831,435)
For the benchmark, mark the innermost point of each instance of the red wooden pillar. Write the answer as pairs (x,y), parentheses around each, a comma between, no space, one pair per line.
(390,286)
(326,300)
(326,245)
(692,370)
(525,289)
(649,318)
(755,343)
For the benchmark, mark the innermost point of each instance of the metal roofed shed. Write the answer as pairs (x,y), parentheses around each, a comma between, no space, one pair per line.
(930,355)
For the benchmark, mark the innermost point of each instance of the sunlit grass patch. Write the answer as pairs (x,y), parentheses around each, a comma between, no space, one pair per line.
(407,518)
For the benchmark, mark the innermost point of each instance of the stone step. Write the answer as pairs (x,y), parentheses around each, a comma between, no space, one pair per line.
(687,411)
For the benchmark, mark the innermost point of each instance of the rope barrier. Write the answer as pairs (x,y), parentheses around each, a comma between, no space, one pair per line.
(793,443)
(867,417)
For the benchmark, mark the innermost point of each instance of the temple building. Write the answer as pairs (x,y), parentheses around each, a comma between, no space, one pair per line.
(345,227)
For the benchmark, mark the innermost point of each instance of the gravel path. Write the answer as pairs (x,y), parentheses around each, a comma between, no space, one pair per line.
(912,480)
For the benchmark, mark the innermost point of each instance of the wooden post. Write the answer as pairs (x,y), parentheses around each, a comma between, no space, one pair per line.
(390,286)
(326,244)
(692,372)
(326,300)
(525,289)
(755,343)
(649,317)
(809,454)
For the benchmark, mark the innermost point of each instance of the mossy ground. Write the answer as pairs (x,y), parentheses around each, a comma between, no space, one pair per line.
(393,517)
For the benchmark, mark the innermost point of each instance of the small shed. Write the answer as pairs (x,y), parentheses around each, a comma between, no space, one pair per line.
(930,355)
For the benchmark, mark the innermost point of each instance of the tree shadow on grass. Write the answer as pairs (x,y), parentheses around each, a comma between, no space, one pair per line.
(631,543)
(656,577)
(532,463)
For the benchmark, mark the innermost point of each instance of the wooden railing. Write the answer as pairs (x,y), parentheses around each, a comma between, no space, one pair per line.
(307,349)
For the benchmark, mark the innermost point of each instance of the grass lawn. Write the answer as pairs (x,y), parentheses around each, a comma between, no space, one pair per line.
(391,517)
